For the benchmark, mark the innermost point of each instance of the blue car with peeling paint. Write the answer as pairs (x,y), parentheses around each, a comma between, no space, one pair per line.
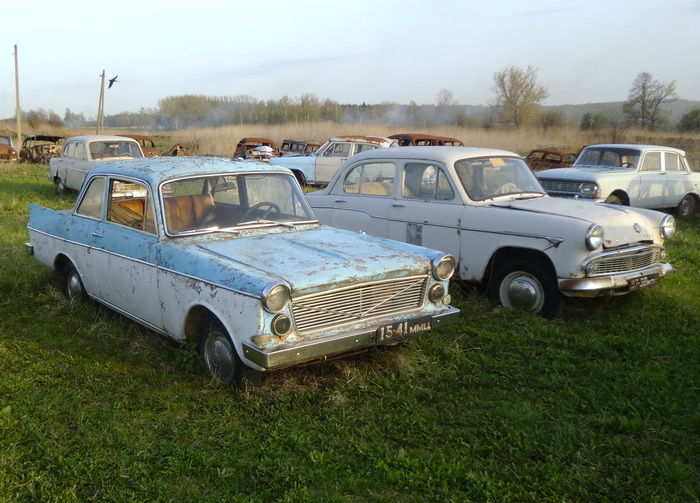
(230,252)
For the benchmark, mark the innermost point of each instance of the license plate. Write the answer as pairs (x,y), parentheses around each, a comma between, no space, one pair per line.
(403,329)
(643,282)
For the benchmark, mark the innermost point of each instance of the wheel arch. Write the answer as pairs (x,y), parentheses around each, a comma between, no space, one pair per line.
(503,255)
(621,195)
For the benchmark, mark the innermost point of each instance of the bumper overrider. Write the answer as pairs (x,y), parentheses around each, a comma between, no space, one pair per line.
(615,284)
(344,343)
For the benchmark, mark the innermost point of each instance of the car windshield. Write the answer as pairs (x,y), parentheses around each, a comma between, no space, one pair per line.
(490,177)
(233,202)
(607,156)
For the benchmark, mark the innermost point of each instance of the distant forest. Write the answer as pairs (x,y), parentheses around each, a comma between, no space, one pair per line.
(191,111)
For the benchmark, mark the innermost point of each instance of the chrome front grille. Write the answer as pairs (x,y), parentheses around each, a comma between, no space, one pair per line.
(369,300)
(624,262)
(561,187)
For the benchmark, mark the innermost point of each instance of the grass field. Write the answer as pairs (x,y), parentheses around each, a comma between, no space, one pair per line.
(600,405)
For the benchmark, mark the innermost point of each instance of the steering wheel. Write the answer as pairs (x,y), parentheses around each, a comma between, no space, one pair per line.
(270,207)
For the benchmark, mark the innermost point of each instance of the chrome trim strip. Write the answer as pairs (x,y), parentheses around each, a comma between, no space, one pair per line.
(590,287)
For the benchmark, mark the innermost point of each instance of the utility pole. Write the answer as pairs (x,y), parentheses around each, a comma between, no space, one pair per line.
(18,109)
(101,106)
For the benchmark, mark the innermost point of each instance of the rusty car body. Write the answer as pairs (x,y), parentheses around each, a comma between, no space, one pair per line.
(424,140)
(549,158)
(8,152)
(486,207)
(645,176)
(229,254)
(80,154)
(148,146)
(40,148)
(248,143)
(318,168)
(298,147)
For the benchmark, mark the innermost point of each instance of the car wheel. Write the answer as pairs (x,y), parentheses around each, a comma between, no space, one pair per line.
(72,284)
(613,199)
(61,186)
(220,357)
(686,207)
(529,285)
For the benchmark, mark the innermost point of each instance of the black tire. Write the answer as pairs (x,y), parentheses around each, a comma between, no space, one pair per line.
(72,284)
(61,186)
(687,206)
(526,284)
(220,357)
(613,199)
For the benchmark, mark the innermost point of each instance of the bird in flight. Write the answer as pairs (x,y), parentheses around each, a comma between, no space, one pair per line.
(112,81)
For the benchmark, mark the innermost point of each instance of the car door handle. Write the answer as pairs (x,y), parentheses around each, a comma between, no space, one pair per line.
(398,205)
(97,234)
(341,201)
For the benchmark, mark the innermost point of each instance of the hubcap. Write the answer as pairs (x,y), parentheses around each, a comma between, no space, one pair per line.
(522,291)
(219,356)
(74,288)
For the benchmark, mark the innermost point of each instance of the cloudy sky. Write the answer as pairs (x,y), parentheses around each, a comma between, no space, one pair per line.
(371,51)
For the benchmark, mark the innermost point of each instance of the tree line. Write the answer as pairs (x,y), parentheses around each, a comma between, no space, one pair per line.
(517,104)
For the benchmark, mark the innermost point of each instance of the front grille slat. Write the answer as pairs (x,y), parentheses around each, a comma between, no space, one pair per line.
(369,300)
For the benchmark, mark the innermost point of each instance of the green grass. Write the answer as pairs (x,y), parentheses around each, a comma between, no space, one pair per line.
(600,405)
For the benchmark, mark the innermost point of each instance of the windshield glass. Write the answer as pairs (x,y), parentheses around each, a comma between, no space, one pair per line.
(608,156)
(233,201)
(489,177)
(114,148)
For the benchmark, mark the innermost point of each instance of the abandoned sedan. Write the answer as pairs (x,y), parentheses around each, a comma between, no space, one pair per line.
(230,253)
(40,148)
(485,207)
(8,152)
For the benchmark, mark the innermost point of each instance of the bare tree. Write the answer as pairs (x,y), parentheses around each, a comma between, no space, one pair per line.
(644,105)
(445,98)
(518,96)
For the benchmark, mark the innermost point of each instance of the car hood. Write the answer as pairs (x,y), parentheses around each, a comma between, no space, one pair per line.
(580,173)
(623,225)
(309,261)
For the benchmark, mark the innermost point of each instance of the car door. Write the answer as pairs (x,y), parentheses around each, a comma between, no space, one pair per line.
(362,198)
(678,180)
(126,252)
(427,209)
(330,160)
(652,182)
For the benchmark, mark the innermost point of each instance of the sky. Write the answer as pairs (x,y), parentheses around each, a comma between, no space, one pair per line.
(363,51)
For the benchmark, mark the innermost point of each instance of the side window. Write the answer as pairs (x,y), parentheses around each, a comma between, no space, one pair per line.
(338,150)
(130,204)
(375,179)
(426,181)
(673,161)
(652,162)
(91,204)
(69,150)
(80,151)
(363,147)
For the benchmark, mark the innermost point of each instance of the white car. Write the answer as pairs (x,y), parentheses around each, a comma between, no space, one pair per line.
(646,176)
(320,166)
(486,208)
(80,154)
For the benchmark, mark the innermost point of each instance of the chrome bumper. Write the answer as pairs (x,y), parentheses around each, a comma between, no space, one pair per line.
(320,348)
(611,284)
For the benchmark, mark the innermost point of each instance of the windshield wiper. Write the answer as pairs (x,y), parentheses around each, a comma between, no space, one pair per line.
(263,221)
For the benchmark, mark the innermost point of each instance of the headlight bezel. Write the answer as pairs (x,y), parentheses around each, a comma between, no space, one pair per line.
(443,267)
(275,297)
(589,189)
(595,237)
(667,227)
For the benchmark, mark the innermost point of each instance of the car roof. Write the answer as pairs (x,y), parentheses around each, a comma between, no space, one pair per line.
(636,146)
(98,137)
(155,170)
(446,155)
(380,140)
(137,136)
(44,137)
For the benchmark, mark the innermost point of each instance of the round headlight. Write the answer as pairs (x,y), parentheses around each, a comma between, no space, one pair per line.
(588,189)
(443,267)
(436,293)
(275,297)
(668,226)
(594,237)
(281,324)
